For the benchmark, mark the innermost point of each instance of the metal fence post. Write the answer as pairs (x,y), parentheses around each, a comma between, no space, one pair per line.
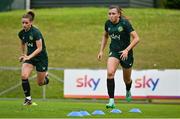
(28,5)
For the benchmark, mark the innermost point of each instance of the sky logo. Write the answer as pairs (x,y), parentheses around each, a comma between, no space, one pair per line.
(146,83)
(87,82)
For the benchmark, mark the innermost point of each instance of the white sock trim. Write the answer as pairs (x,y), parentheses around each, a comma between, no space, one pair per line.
(29,97)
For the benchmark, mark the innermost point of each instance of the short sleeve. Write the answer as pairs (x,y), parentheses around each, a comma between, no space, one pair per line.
(20,35)
(128,26)
(37,35)
(106,26)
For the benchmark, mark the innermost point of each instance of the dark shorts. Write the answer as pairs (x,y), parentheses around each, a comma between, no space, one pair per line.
(128,63)
(40,64)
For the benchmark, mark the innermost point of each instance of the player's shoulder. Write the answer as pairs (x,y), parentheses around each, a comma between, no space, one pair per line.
(21,32)
(107,22)
(35,30)
(124,21)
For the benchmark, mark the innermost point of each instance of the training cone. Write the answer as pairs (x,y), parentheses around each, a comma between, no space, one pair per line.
(116,111)
(98,112)
(135,110)
(84,113)
(75,114)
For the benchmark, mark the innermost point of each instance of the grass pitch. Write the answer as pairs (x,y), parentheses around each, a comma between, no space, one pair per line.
(61,108)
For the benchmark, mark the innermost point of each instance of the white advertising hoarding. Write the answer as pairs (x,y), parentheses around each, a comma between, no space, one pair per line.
(86,83)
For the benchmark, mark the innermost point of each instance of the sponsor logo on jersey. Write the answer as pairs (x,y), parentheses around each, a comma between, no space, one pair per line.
(114,36)
(30,44)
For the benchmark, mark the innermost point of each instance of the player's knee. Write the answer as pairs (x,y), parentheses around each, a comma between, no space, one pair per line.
(127,80)
(111,74)
(40,83)
(24,76)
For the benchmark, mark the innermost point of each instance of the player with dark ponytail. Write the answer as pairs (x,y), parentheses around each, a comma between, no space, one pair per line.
(35,56)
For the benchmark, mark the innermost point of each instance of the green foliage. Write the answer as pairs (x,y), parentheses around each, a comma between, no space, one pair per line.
(5,5)
(173,4)
(160,3)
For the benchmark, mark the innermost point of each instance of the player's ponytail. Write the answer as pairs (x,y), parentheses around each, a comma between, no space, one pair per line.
(30,15)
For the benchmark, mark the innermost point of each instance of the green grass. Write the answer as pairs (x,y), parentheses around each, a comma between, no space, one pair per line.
(73,37)
(60,109)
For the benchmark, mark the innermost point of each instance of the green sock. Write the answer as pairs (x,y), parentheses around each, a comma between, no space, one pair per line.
(111,100)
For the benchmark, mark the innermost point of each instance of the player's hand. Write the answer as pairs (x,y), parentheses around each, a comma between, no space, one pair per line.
(26,58)
(124,54)
(21,58)
(100,55)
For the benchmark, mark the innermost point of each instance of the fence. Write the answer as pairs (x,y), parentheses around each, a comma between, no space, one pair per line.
(11,84)
(84,3)
(6,5)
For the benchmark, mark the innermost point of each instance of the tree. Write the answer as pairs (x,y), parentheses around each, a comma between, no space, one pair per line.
(173,4)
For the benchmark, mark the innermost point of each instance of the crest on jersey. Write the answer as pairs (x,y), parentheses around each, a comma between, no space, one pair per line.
(109,28)
(30,37)
(120,28)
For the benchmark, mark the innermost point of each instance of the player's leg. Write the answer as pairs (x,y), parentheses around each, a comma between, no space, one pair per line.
(128,82)
(25,73)
(42,74)
(42,78)
(127,68)
(112,65)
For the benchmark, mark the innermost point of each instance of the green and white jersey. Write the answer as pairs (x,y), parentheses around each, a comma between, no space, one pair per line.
(119,34)
(29,38)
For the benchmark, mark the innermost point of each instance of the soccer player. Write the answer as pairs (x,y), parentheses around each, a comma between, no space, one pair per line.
(35,56)
(119,29)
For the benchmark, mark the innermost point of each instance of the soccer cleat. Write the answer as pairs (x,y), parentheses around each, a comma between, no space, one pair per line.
(109,105)
(128,96)
(46,80)
(27,102)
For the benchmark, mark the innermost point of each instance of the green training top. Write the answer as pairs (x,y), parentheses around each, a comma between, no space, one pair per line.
(119,34)
(30,37)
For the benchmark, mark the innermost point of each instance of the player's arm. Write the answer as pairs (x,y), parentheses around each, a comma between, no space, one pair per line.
(103,44)
(134,42)
(36,52)
(23,47)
